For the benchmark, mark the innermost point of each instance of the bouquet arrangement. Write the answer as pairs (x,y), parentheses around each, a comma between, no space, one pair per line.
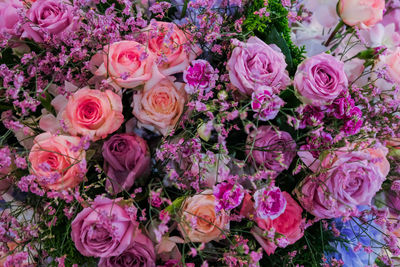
(199,133)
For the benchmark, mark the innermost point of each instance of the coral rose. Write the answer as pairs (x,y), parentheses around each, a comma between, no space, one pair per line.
(104,229)
(93,113)
(56,161)
(288,224)
(361,12)
(160,107)
(171,46)
(200,222)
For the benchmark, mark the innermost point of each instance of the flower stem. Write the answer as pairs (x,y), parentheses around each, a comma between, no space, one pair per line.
(338,27)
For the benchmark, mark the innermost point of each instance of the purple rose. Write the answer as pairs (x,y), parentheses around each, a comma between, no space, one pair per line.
(104,229)
(320,79)
(126,158)
(272,149)
(139,254)
(200,75)
(49,17)
(344,179)
(270,203)
(393,198)
(255,63)
(9,16)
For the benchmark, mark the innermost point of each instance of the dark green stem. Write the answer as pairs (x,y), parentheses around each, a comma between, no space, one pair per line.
(335,31)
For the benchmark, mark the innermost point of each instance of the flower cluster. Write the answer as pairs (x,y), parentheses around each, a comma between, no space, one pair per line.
(199,133)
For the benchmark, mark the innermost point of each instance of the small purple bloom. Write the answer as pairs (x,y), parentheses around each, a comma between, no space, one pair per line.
(265,103)
(200,75)
(228,195)
(269,203)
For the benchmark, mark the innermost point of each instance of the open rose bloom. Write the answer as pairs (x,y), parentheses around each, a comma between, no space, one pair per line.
(57,162)
(93,113)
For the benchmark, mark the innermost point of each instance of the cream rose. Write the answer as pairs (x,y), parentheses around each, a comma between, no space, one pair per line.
(160,107)
(361,12)
(200,222)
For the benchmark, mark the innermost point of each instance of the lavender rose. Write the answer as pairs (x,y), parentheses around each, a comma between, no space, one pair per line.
(126,158)
(139,254)
(104,229)
(272,149)
(9,17)
(320,79)
(49,17)
(360,174)
(255,63)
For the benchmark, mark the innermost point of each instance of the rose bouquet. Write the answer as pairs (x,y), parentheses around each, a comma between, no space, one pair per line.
(199,133)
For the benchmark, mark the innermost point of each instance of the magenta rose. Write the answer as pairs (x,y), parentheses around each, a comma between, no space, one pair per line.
(139,254)
(344,180)
(104,229)
(49,17)
(9,16)
(126,158)
(320,79)
(272,149)
(255,63)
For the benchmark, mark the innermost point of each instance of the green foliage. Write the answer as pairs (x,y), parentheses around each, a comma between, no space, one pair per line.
(274,29)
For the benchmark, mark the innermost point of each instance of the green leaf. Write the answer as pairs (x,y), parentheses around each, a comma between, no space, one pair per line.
(273,37)
(46,102)
(176,205)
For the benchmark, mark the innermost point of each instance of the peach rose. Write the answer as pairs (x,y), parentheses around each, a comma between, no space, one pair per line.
(361,12)
(171,46)
(200,221)
(55,161)
(160,107)
(93,113)
(128,64)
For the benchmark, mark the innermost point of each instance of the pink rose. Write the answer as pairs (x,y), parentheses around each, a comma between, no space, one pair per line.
(320,79)
(139,254)
(128,64)
(171,45)
(49,17)
(93,113)
(255,63)
(271,148)
(126,158)
(361,12)
(288,224)
(160,107)
(56,161)
(200,221)
(104,229)
(360,172)
(9,18)
(392,17)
